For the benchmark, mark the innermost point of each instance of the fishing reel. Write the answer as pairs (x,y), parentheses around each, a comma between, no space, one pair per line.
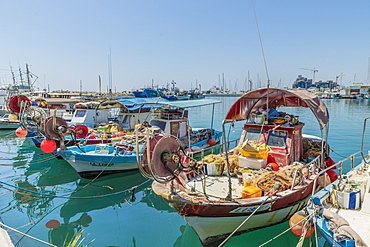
(164,158)
(56,128)
(18,103)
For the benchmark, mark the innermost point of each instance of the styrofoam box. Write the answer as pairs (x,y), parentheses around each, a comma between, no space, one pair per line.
(252,162)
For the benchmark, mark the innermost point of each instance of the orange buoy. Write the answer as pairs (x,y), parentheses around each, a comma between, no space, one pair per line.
(52,224)
(21,132)
(275,167)
(211,141)
(48,146)
(298,228)
(323,180)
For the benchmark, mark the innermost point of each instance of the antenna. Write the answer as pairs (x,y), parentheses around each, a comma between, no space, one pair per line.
(263,52)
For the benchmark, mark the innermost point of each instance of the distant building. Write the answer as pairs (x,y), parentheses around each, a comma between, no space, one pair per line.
(359,89)
(303,82)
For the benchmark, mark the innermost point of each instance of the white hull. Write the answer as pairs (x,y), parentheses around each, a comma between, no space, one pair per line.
(4,125)
(91,166)
(209,229)
(95,163)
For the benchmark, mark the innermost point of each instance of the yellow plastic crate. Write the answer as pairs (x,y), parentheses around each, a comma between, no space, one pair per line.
(261,154)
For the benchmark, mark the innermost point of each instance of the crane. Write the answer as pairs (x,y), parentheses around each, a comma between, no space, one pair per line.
(336,79)
(314,71)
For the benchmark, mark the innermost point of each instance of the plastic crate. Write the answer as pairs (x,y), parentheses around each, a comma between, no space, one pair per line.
(261,154)
(252,163)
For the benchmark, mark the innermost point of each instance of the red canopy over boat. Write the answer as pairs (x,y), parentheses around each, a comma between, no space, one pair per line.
(251,101)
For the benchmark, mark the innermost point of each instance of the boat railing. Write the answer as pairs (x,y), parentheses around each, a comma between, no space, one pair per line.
(339,165)
(311,167)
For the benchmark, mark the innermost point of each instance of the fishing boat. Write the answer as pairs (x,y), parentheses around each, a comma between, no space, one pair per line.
(266,178)
(341,211)
(9,122)
(101,119)
(120,154)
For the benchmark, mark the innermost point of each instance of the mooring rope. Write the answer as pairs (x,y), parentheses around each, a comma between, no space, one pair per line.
(68,197)
(273,190)
(308,217)
(10,228)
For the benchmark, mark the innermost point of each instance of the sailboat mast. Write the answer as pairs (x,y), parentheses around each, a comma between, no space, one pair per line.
(28,77)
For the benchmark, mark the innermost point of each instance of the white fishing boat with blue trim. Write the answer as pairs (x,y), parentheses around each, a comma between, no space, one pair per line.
(341,211)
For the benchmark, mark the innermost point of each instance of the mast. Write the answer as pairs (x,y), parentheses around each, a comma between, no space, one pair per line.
(368,72)
(99,85)
(13,76)
(28,77)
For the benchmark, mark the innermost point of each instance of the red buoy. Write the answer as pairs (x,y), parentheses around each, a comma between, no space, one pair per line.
(211,141)
(298,229)
(48,146)
(332,175)
(21,132)
(329,162)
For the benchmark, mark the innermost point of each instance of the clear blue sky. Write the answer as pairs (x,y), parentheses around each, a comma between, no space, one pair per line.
(66,42)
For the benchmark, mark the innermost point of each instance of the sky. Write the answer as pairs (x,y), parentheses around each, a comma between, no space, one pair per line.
(133,44)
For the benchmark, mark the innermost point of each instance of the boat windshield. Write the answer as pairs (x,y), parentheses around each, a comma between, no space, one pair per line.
(277,138)
(80,113)
(159,124)
(254,134)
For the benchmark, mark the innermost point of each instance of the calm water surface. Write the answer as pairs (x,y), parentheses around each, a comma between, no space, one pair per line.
(121,209)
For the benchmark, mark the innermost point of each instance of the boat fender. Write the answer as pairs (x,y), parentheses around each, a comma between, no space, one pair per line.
(329,163)
(301,225)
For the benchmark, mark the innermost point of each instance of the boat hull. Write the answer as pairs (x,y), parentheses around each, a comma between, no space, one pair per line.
(213,221)
(91,164)
(206,229)
(9,125)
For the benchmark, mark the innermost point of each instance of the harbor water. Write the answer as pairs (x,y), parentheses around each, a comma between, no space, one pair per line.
(44,197)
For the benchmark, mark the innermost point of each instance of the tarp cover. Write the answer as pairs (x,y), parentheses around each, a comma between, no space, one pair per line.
(251,101)
(135,104)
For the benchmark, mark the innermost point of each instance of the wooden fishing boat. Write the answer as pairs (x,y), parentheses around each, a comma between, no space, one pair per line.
(278,178)
(341,211)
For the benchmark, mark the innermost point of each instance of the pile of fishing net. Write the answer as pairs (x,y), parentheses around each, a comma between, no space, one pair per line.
(311,148)
(285,176)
